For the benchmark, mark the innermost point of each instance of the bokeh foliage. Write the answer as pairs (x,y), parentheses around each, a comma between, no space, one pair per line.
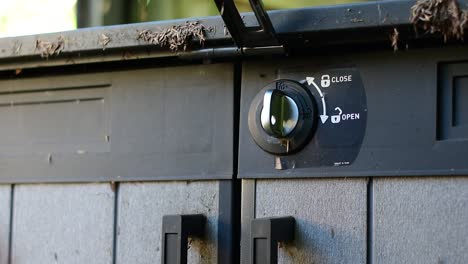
(149,10)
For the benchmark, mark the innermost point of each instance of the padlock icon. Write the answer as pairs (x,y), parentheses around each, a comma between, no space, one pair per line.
(325,82)
(335,119)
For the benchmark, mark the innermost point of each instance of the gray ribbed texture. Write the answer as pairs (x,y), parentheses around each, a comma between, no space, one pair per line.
(140,212)
(70,223)
(421,220)
(330,218)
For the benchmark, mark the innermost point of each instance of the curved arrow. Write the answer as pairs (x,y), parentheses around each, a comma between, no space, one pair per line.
(323,116)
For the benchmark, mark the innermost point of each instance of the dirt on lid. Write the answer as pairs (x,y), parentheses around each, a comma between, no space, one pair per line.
(440,16)
(395,38)
(47,49)
(176,37)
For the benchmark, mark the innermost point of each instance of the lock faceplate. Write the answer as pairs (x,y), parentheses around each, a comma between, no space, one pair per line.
(331,124)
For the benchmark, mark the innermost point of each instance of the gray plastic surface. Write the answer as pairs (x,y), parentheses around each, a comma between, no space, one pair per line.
(175,123)
(5,199)
(401,135)
(57,223)
(420,220)
(141,208)
(330,218)
(162,123)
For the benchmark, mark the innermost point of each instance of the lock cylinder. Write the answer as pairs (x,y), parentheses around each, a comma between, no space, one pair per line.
(282,117)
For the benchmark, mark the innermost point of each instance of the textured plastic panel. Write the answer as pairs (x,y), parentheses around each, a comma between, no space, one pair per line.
(152,124)
(140,213)
(70,223)
(402,91)
(330,218)
(420,220)
(5,199)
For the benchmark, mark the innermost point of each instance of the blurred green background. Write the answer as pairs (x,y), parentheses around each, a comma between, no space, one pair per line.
(143,10)
(24,17)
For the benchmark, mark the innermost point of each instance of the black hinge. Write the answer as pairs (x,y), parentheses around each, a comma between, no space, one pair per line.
(261,36)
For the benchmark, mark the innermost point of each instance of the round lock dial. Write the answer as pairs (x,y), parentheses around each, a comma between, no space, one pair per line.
(282,117)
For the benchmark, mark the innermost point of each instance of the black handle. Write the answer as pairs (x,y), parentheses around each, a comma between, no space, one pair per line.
(175,232)
(265,235)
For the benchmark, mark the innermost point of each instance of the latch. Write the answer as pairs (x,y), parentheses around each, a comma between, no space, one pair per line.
(250,38)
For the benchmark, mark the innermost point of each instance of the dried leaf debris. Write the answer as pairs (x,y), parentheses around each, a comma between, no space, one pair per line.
(395,38)
(104,40)
(440,16)
(175,37)
(47,49)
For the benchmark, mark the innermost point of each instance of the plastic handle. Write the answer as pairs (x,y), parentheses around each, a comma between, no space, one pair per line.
(265,235)
(175,232)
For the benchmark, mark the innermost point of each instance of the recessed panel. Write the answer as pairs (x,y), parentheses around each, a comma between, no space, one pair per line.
(54,120)
(166,123)
(460,97)
(452,95)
